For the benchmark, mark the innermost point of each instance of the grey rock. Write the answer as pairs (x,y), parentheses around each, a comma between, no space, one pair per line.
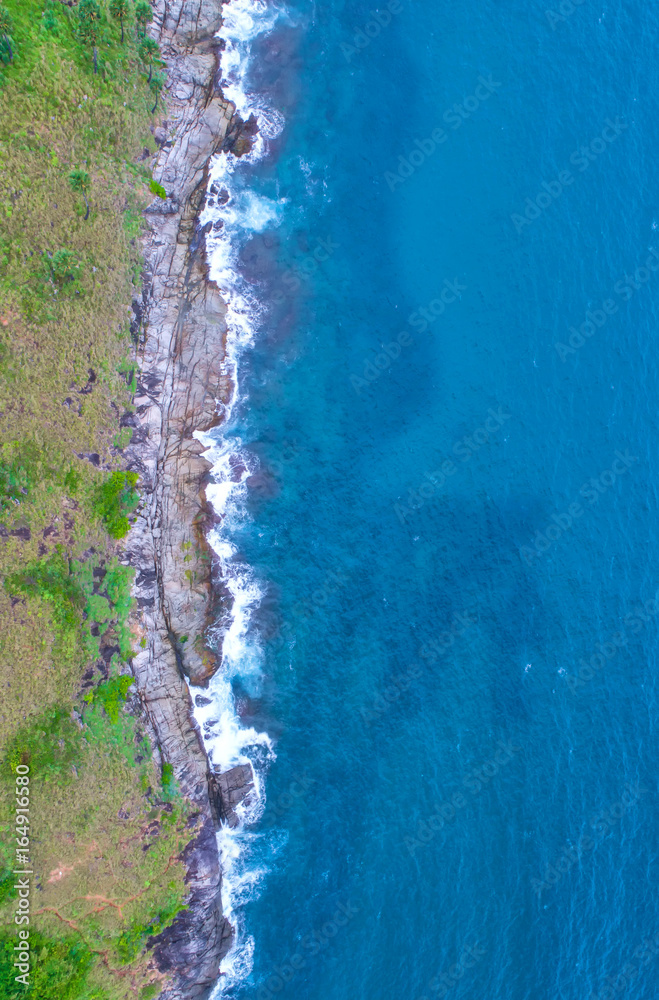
(181,387)
(228,790)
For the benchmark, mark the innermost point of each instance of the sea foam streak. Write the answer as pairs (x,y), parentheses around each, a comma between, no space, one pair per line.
(228,743)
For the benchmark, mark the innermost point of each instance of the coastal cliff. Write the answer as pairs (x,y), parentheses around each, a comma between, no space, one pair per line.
(181,388)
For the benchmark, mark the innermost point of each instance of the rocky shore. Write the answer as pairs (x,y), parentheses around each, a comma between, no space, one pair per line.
(182,386)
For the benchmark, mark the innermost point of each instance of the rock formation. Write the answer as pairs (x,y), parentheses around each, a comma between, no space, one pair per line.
(182,383)
(228,790)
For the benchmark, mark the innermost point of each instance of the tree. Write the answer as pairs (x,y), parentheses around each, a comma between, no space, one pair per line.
(149,52)
(89,14)
(143,14)
(6,27)
(119,10)
(157,83)
(79,181)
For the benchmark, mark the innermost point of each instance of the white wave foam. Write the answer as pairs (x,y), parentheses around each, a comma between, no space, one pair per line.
(243,22)
(238,214)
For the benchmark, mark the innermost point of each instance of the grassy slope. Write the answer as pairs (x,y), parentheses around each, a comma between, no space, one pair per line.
(106,832)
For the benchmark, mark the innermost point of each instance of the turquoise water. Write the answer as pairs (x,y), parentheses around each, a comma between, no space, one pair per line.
(455,520)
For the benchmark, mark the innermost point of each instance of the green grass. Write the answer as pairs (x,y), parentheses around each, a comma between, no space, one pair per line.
(108,824)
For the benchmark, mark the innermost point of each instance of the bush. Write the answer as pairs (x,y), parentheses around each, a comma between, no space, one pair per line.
(6,28)
(15,479)
(50,744)
(118,582)
(110,695)
(52,581)
(59,968)
(63,266)
(157,189)
(49,18)
(132,941)
(115,499)
(169,783)
(7,890)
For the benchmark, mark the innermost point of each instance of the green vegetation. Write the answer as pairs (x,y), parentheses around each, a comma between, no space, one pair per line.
(76,99)
(60,969)
(133,940)
(119,10)
(149,52)
(79,181)
(157,189)
(116,498)
(156,83)
(89,15)
(6,26)
(143,14)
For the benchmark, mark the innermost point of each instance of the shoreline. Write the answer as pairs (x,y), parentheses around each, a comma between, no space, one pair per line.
(181,379)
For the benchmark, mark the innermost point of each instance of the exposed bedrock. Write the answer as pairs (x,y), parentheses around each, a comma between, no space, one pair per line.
(229,790)
(182,383)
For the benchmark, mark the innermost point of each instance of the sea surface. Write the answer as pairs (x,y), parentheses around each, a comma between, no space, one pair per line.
(438,484)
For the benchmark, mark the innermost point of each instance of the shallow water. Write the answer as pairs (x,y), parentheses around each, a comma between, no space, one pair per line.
(446,629)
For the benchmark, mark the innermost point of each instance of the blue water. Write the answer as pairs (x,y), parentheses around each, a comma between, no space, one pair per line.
(414,639)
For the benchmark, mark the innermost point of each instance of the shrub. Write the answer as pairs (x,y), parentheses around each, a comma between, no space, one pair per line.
(7,890)
(169,784)
(110,695)
(6,28)
(63,265)
(79,181)
(50,18)
(115,499)
(16,477)
(131,941)
(59,968)
(118,582)
(52,581)
(72,481)
(50,744)
(157,189)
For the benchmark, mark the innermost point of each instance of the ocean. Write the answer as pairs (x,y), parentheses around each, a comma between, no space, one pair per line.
(440,522)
